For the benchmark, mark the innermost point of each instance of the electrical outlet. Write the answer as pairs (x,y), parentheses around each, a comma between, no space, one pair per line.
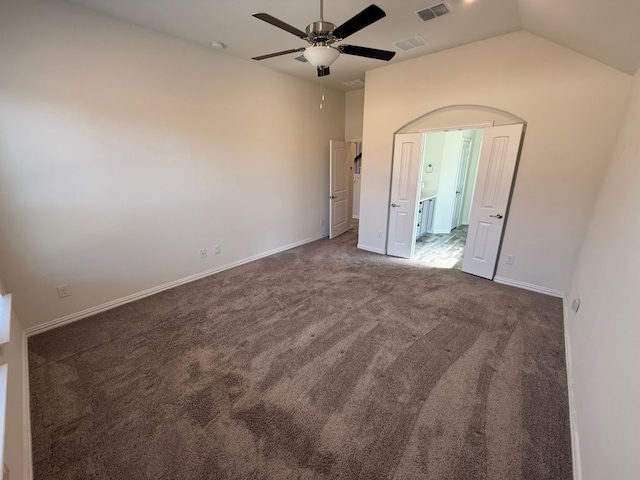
(63,290)
(322,222)
(216,249)
(510,259)
(379,234)
(203,253)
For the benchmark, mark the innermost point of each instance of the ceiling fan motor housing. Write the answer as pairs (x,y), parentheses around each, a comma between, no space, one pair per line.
(320,32)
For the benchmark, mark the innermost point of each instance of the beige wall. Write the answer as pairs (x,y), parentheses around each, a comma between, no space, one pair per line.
(432,155)
(353,114)
(573,106)
(125,151)
(603,336)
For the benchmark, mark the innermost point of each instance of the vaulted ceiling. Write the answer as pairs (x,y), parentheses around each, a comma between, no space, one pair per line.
(605,31)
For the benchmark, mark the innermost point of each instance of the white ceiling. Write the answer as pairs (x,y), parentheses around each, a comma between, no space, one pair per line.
(606,31)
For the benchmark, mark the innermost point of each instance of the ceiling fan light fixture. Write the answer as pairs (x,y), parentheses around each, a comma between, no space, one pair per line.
(321,56)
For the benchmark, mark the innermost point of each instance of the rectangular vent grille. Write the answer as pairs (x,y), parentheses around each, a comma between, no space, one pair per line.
(301,59)
(426,14)
(354,83)
(411,43)
(434,11)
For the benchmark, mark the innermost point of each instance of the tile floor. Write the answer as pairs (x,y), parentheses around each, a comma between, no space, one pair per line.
(442,250)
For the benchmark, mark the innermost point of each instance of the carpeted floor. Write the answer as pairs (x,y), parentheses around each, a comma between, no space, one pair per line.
(322,362)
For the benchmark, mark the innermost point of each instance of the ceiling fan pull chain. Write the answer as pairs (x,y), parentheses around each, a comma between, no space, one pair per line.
(321,93)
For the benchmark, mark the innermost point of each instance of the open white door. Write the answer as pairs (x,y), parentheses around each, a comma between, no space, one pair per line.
(407,154)
(340,185)
(493,186)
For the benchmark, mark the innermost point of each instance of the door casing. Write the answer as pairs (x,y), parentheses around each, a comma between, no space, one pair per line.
(397,139)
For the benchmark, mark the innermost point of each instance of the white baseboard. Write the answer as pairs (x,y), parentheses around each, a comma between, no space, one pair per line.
(529,286)
(381,251)
(573,414)
(151,291)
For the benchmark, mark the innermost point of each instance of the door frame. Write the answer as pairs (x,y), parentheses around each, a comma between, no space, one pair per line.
(480,126)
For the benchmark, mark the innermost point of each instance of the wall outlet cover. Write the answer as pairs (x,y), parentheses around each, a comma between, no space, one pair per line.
(63,291)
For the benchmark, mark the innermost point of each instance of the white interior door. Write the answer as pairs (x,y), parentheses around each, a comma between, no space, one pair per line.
(496,167)
(340,186)
(407,155)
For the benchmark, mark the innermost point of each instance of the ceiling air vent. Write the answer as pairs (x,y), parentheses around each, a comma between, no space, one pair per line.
(411,43)
(301,59)
(434,11)
(354,83)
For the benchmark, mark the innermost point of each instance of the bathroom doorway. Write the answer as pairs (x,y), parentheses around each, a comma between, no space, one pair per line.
(489,202)
(449,168)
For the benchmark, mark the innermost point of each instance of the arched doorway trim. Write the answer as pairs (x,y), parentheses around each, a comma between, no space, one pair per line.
(460,116)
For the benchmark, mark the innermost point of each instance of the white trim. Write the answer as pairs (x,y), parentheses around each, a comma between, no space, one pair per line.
(573,414)
(381,251)
(4,378)
(529,286)
(5,319)
(151,291)
(468,126)
(27,464)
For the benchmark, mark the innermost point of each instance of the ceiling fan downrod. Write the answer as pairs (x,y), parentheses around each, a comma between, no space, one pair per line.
(319,33)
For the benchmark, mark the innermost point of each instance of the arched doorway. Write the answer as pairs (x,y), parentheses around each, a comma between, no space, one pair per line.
(429,195)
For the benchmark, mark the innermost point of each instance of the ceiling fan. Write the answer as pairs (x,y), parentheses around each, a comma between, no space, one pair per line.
(322,35)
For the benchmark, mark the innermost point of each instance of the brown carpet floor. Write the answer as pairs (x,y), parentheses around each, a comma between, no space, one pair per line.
(321,362)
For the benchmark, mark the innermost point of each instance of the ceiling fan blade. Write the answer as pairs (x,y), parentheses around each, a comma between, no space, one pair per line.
(366,52)
(363,19)
(265,17)
(277,54)
(323,72)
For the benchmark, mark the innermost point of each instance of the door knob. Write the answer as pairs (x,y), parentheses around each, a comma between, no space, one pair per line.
(496,216)
(331,197)
(394,205)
